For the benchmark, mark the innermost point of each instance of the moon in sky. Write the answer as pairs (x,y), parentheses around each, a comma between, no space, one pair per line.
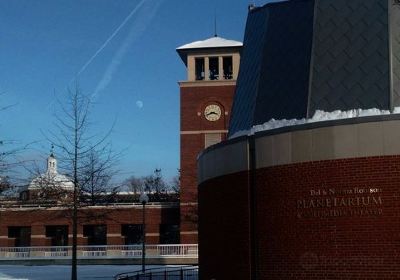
(139,104)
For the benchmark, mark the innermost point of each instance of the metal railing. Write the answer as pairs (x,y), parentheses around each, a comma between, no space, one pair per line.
(45,206)
(164,273)
(111,251)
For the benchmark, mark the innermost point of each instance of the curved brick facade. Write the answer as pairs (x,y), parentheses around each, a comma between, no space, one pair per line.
(318,201)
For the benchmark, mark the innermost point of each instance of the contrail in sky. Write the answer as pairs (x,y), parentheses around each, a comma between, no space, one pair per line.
(111,37)
(133,12)
(138,27)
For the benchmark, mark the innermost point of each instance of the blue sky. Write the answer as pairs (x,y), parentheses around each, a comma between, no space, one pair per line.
(46,43)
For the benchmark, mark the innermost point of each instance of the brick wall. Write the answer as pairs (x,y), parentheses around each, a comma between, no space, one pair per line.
(195,99)
(224,233)
(334,219)
(38,219)
(193,102)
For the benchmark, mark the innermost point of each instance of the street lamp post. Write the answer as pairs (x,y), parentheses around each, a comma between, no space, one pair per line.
(144,199)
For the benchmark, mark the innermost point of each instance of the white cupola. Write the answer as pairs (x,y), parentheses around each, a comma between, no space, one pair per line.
(51,165)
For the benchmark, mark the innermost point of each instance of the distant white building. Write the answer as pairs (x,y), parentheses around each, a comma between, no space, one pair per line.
(48,182)
(51,177)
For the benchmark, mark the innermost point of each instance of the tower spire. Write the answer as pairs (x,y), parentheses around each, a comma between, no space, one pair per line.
(215,22)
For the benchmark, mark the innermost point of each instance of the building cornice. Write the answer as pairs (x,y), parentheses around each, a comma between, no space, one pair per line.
(183,84)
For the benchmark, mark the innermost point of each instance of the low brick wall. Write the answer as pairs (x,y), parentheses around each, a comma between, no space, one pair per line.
(111,216)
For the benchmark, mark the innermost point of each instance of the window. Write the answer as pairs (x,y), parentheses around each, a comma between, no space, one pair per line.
(214,68)
(96,234)
(24,195)
(212,139)
(58,235)
(132,233)
(228,68)
(199,64)
(22,236)
(169,234)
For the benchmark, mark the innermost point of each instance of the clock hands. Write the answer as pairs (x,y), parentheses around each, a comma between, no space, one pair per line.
(211,113)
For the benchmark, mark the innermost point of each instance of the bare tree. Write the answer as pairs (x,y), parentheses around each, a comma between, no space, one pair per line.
(155,183)
(176,183)
(9,149)
(134,184)
(83,156)
(97,174)
(4,153)
(4,184)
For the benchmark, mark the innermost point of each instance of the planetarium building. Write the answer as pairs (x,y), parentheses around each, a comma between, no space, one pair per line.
(308,185)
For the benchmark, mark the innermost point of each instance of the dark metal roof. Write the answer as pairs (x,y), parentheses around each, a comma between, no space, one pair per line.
(274,67)
(300,56)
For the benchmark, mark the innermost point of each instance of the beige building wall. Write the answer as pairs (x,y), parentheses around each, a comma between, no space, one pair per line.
(303,144)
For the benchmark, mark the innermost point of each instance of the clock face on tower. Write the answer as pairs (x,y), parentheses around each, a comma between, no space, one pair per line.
(212,112)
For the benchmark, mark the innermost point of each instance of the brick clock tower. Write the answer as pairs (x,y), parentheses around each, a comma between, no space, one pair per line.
(206,99)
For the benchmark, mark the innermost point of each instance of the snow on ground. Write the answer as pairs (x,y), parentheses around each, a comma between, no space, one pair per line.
(319,116)
(63,272)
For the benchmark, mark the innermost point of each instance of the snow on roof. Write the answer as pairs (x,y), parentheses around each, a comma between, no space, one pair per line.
(319,116)
(51,180)
(213,42)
